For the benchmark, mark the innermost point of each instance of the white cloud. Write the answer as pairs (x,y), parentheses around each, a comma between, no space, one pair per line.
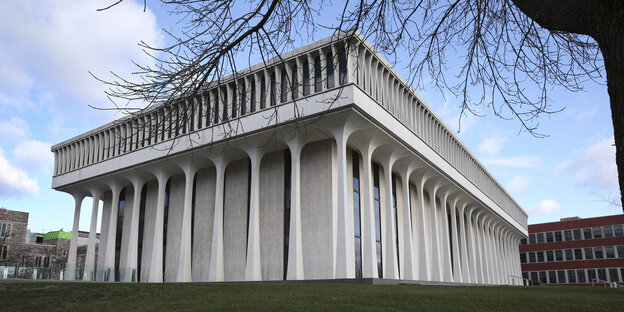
(524,161)
(13,181)
(55,44)
(595,168)
(492,145)
(13,130)
(546,206)
(518,183)
(34,156)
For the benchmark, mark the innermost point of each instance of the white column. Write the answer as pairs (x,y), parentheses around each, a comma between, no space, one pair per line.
(89,269)
(109,256)
(390,261)
(130,263)
(253,270)
(436,254)
(456,238)
(446,248)
(216,254)
(465,274)
(295,249)
(156,263)
(471,246)
(424,249)
(369,252)
(345,250)
(185,256)
(70,271)
(408,264)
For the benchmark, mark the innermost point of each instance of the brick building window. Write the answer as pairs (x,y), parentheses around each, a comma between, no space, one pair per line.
(540,238)
(558,237)
(4,252)
(619,231)
(550,256)
(597,232)
(608,231)
(577,234)
(549,237)
(587,233)
(559,255)
(568,235)
(589,253)
(620,251)
(5,229)
(598,252)
(610,252)
(578,254)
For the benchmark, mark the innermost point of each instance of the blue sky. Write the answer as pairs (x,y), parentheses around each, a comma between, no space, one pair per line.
(47,49)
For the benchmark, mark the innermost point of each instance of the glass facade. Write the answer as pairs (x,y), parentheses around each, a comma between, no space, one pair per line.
(377,204)
(357,225)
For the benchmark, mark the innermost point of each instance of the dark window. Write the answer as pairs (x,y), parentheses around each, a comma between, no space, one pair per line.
(610,252)
(356,214)
(597,232)
(587,233)
(550,237)
(207,99)
(550,256)
(598,252)
(523,257)
(608,231)
(396,220)
(532,257)
(577,234)
(523,241)
(568,255)
(620,251)
(591,274)
(535,278)
(287,190)
(243,97)
(318,77)
(561,277)
(342,67)
(568,235)
(532,239)
(613,275)
(540,256)
(558,237)
(540,238)
(552,277)
(580,276)
(294,86)
(329,63)
(589,253)
(4,252)
(558,255)
(306,78)
(252,101)
(224,98)
(377,218)
(619,232)
(578,254)
(602,274)
(571,276)
(234,101)
(263,94)
(273,90)
(284,87)
(525,275)
(216,108)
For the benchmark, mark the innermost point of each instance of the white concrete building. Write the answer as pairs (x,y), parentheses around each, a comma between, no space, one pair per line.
(324,166)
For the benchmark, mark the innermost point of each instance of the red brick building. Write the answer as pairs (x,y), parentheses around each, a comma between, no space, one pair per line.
(574,251)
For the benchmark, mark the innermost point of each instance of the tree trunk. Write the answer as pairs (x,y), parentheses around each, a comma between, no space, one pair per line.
(603,20)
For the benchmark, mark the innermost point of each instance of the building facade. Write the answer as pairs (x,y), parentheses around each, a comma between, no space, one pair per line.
(320,164)
(574,251)
(21,252)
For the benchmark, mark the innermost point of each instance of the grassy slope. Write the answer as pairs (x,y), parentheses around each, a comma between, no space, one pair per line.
(271,297)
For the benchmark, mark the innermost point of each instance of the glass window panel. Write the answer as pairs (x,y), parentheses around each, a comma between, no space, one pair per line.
(532,257)
(568,255)
(571,276)
(591,275)
(577,234)
(568,235)
(559,255)
(608,231)
(598,252)
(613,275)
(589,253)
(587,233)
(552,277)
(542,277)
(550,237)
(620,251)
(550,256)
(523,257)
(618,230)
(610,252)
(540,238)
(580,276)
(578,254)
(597,232)
(523,241)
(534,278)
(602,274)
(558,237)
(532,239)
(540,256)
(561,276)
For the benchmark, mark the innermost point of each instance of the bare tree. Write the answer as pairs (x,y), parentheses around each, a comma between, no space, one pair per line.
(510,49)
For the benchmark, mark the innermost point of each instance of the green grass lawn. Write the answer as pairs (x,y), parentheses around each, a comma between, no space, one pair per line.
(61,296)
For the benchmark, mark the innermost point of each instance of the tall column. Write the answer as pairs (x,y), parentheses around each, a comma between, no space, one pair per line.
(185,256)
(253,270)
(217,273)
(109,256)
(446,248)
(471,246)
(424,249)
(89,268)
(391,270)
(156,263)
(408,264)
(478,237)
(457,260)
(130,262)
(369,252)
(465,275)
(294,269)
(70,271)
(436,254)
